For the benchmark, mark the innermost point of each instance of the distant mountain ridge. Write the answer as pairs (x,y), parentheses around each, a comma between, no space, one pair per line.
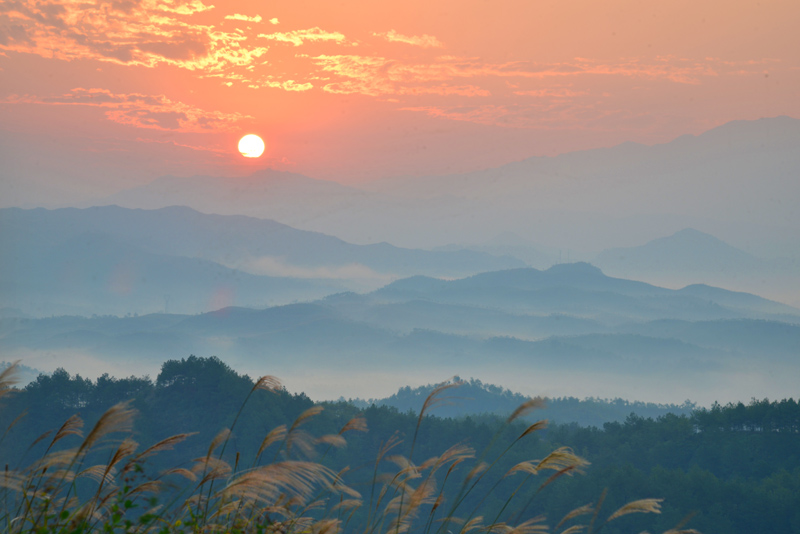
(686,250)
(204,193)
(690,257)
(131,260)
(733,181)
(178,230)
(532,330)
(473,398)
(567,288)
(574,200)
(93,273)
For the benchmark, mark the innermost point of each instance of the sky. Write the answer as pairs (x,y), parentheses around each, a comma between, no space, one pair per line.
(100,96)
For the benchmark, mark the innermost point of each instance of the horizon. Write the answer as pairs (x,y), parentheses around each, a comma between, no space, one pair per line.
(249,172)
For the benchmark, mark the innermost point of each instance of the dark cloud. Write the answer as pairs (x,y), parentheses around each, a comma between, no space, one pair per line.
(123,53)
(13,32)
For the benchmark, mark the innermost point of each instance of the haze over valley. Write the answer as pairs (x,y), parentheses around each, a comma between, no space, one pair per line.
(119,290)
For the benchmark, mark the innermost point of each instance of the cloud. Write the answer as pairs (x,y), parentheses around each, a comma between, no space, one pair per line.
(245,18)
(288,85)
(378,88)
(145,111)
(178,7)
(419,73)
(299,37)
(142,33)
(377,75)
(443,89)
(424,41)
(520,94)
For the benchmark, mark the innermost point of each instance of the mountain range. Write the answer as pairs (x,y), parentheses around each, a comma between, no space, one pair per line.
(692,257)
(733,181)
(554,332)
(115,260)
(284,274)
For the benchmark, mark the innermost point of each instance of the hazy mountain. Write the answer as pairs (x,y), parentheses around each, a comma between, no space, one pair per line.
(567,330)
(256,245)
(579,290)
(756,338)
(738,299)
(94,273)
(732,181)
(323,353)
(687,251)
(266,194)
(465,319)
(117,260)
(693,256)
(510,244)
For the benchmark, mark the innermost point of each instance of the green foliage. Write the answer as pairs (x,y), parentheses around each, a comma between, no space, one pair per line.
(736,466)
(105,484)
(477,398)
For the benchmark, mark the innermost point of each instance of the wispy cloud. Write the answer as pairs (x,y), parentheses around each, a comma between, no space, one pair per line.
(587,114)
(288,85)
(245,18)
(553,93)
(299,37)
(177,7)
(144,111)
(448,67)
(218,41)
(377,76)
(424,41)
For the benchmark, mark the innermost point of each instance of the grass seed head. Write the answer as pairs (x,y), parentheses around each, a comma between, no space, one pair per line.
(527,406)
(642,506)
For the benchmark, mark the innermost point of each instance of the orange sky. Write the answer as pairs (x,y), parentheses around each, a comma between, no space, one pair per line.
(123,91)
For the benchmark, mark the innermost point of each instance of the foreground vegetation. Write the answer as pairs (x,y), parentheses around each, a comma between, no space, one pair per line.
(409,473)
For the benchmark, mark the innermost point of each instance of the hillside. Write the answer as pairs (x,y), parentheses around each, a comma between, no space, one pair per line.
(701,461)
(539,332)
(112,260)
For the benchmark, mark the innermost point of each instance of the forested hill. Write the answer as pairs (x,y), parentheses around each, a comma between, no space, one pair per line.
(473,397)
(736,466)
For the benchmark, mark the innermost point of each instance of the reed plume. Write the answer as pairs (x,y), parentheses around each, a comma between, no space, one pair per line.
(292,494)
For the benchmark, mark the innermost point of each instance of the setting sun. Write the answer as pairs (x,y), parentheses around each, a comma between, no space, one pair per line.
(251,146)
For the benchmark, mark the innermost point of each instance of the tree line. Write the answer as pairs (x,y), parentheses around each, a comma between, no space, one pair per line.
(736,467)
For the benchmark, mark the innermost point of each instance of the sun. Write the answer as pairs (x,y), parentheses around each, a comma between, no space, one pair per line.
(251,146)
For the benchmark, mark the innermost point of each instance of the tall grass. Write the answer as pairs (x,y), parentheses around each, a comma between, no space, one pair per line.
(290,492)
